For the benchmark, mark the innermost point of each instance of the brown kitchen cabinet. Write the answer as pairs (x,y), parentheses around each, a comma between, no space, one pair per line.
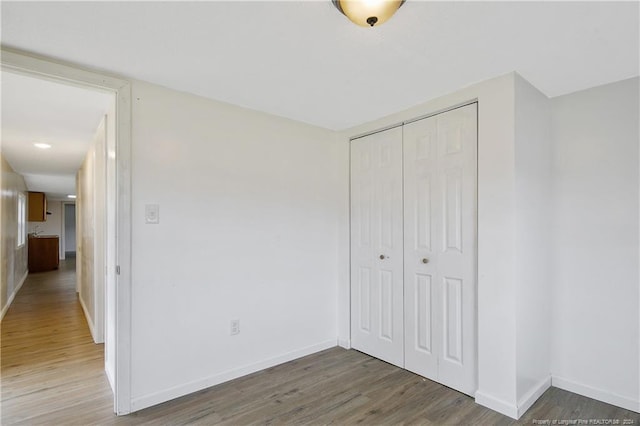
(43,253)
(37,207)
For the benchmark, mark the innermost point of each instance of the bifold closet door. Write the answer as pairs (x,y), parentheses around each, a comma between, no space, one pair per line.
(440,247)
(376,246)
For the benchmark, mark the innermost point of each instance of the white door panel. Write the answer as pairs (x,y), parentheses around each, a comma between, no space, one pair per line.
(457,169)
(440,229)
(376,251)
(422,340)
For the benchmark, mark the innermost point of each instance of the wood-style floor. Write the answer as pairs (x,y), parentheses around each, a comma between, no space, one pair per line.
(52,373)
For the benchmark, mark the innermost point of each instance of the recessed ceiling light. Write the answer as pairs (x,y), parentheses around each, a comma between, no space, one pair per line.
(42,145)
(71,196)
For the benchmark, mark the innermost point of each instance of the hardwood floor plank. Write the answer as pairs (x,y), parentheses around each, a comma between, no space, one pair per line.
(53,374)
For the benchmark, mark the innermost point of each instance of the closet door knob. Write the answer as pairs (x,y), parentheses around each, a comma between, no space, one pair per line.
(382,257)
(425,260)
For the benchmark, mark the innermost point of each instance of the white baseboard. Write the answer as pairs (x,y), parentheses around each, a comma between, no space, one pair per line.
(497,404)
(109,372)
(139,403)
(532,396)
(88,318)
(595,393)
(5,308)
(344,343)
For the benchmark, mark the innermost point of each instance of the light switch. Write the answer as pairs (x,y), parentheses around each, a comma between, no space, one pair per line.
(151,214)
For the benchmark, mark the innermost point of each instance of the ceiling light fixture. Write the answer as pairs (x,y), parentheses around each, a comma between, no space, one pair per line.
(42,145)
(71,196)
(368,13)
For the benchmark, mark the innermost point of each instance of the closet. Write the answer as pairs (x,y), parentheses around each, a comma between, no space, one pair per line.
(413,246)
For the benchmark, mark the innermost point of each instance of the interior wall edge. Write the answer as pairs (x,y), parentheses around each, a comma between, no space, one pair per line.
(532,239)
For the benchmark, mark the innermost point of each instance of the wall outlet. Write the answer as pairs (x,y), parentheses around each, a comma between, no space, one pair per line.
(235,327)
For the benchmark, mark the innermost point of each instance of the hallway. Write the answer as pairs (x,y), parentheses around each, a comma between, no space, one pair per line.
(51,369)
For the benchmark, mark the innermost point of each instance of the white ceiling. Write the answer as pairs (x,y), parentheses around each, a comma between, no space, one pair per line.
(40,111)
(305,61)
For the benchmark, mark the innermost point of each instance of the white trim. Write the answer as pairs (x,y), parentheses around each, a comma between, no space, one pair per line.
(123,249)
(29,64)
(89,319)
(110,377)
(497,404)
(414,119)
(344,343)
(596,393)
(139,403)
(532,396)
(5,308)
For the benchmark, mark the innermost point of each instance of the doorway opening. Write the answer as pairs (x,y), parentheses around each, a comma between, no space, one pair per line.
(69,230)
(113,298)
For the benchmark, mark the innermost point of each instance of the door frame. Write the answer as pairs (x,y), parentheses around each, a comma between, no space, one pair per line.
(63,233)
(37,66)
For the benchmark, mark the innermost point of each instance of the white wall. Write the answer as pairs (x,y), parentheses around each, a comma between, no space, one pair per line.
(532,241)
(51,226)
(249,217)
(595,243)
(90,214)
(13,259)
(496,234)
(256,209)
(99,227)
(84,230)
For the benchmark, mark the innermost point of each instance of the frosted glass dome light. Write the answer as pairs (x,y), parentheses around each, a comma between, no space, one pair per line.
(368,13)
